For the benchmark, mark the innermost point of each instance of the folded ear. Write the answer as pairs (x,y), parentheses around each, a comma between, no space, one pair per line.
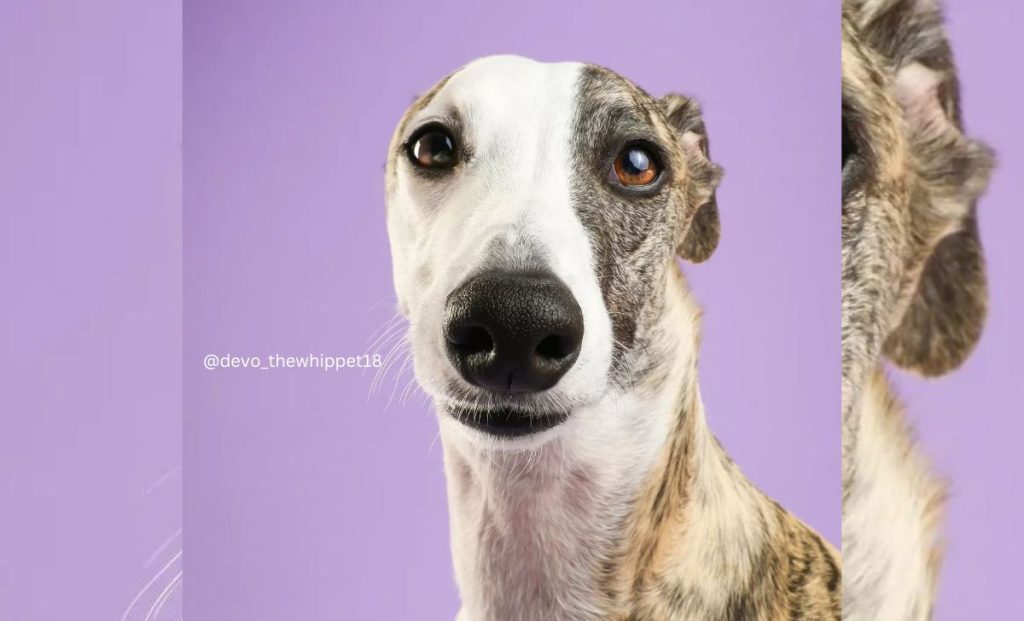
(701,236)
(947,312)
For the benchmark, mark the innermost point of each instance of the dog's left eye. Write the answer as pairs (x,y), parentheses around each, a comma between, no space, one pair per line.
(432,147)
(635,166)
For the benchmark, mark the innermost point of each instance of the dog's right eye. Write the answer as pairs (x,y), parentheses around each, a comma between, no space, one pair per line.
(432,147)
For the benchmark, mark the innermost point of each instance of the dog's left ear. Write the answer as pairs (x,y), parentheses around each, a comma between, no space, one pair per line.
(946,313)
(701,236)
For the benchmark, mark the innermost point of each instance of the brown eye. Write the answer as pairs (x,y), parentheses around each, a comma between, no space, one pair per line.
(635,166)
(433,147)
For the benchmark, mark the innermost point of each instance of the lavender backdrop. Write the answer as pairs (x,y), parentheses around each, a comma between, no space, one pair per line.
(971,422)
(307,500)
(90,296)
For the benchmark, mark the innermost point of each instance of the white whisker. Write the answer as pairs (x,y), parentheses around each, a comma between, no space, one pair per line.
(382,371)
(406,363)
(160,550)
(161,599)
(149,584)
(386,300)
(163,479)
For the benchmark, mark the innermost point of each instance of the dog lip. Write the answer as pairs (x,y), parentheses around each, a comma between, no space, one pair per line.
(507,421)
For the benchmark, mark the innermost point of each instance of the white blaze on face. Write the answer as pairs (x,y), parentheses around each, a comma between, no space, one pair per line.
(508,206)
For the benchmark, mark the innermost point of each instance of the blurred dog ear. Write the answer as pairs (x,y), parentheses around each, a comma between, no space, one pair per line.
(702,234)
(947,311)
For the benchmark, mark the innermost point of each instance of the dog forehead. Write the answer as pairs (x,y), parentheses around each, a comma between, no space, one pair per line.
(509,85)
(503,98)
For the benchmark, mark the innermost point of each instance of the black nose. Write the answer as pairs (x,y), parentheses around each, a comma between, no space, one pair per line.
(513,332)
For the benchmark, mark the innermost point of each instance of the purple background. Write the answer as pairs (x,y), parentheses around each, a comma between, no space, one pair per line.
(90,270)
(307,500)
(971,422)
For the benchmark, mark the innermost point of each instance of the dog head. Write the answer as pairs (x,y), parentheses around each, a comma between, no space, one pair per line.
(533,210)
(913,274)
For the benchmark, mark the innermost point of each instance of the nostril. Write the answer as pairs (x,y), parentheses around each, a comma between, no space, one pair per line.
(554,347)
(471,340)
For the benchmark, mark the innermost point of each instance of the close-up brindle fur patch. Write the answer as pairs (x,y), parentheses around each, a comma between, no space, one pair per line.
(913,292)
(636,234)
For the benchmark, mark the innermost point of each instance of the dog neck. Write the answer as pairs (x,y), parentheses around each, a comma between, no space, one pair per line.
(570,529)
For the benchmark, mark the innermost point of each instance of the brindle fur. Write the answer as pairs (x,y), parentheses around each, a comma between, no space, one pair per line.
(913,288)
(791,572)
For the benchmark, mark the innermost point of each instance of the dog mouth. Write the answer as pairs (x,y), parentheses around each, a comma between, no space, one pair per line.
(507,421)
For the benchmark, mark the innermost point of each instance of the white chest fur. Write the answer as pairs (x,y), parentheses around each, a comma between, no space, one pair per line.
(530,528)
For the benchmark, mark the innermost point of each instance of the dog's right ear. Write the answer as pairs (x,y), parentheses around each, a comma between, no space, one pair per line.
(701,236)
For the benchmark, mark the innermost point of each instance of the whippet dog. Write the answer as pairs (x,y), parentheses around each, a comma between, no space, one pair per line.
(535,212)
(913,289)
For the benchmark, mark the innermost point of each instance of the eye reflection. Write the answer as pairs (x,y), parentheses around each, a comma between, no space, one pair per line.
(635,166)
(433,147)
